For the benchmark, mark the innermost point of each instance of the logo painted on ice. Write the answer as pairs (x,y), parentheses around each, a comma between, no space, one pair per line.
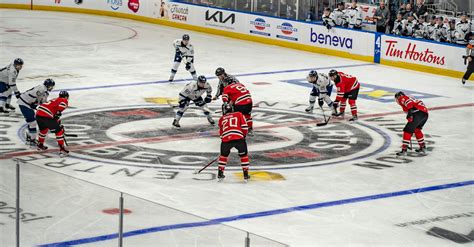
(284,139)
(134,5)
(328,39)
(115,4)
(260,24)
(287,29)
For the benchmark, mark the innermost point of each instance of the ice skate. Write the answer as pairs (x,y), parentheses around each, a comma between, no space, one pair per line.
(31,142)
(63,152)
(246,176)
(309,109)
(421,150)
(220,176)
(176,124)
(402,154)
(41,147)
(10,107)
(353,119)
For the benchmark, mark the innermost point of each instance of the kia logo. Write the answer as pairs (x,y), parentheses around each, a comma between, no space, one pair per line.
(218,16)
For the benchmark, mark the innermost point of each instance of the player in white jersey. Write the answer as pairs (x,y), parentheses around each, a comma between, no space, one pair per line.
(463,28)
(183,51)
(8,77)
(338,15)
(28,102)
(193,91)
(354,16)
(322,88)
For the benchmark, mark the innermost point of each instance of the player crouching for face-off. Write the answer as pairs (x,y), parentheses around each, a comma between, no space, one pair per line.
(233,129)
(28,102)
(322,88)
(194,91)
(47,116)
(237,95)
(347,88)
(417,115)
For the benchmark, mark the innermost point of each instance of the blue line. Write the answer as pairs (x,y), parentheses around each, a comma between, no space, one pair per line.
(265,213)
(211,77)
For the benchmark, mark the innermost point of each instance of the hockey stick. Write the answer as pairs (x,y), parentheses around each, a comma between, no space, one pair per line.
(70,135)
(210,163)
(326,121)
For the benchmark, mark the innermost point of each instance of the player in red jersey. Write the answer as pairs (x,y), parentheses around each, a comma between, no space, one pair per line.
(47,117)
(417,115)
(237,95)
(347,88)
(233,129)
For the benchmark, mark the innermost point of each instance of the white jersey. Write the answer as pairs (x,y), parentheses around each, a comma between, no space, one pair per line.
(462,28)
(8,76)
(322,83)
(34,96)
(440,33)
(397,27)
(408,27)
(430,31)
(419,31)
(338,16)
(185,50)
(192,91)
(354,17)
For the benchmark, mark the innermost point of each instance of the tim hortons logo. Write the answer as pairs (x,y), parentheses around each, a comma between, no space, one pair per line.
(411,53)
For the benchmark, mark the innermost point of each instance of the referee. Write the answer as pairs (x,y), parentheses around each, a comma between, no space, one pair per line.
(469,57)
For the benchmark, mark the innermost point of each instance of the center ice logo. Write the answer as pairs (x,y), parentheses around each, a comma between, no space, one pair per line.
(283,139)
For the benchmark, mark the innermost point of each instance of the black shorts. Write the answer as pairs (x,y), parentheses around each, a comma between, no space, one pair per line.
(48,123)
(244,109)
(352,94)
(419,120)
(240,145)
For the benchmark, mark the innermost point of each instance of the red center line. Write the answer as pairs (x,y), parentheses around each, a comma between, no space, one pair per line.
(188,136)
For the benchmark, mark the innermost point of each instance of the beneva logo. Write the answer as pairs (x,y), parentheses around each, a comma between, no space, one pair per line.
(331,40)
(114,4)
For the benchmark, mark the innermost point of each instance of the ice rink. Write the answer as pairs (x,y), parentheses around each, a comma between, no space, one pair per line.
(336,185)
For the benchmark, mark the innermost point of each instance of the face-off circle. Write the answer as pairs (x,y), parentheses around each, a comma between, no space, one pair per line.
(284,139)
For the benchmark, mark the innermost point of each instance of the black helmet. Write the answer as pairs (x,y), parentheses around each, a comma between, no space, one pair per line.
(202,78)
(313,73)
(185,37)
(63,94)
(227,108)
(49,83)
(397,95)
(220,71)
(228,80)
(18,61)
(332,72)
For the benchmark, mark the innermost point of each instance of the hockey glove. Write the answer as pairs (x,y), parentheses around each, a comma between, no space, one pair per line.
(188,66)
(320,102)
(208,99)
(17,95)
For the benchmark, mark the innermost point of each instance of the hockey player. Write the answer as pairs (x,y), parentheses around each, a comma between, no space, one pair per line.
(347,88)
(194,91)
(420,28)
(469,58)
(328,22)
(354,16)
(440,33)
(184,50)
(8,77)
(221,74)
(47,116)
(339,16)
(417,115)
(233,130)
(430,28)
(237,95)
(322,88)
(28,102)
(409,26)
(463,28)
(398,25)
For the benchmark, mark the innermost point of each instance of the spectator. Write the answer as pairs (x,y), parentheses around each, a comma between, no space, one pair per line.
(420,9)
(382,17)
(440,31)
(310,16)
(408,11)
(354,16)
(394,6)
(338,15)
(398,25)
(402,10)
(287,9)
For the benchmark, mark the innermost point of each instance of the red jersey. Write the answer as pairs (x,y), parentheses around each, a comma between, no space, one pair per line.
(50,108)
(407,103)
(232,126)
(236,93)
(346,84)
